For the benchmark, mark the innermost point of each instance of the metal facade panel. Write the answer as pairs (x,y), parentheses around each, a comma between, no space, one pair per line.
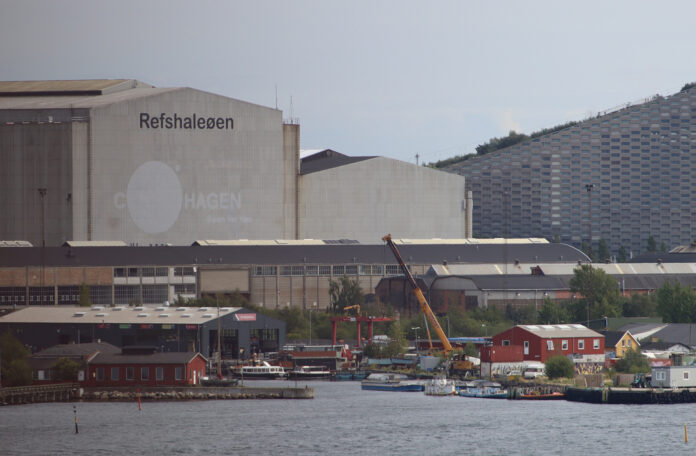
(222,280)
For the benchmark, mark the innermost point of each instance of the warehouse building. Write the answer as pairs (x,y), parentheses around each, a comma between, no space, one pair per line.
(105,160)
(271,274)
(623,176)
(167,329)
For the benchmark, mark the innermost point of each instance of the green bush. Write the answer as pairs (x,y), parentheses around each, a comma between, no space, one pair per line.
(633,362)
(559,367)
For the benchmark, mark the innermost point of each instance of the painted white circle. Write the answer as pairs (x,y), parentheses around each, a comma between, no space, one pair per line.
(154,197)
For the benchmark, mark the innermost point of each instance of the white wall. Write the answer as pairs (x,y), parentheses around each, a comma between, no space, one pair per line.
(368,199)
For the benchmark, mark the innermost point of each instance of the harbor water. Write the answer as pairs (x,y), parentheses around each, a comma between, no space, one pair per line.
(343,419)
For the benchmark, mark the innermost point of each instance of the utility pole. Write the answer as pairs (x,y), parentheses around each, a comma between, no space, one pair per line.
(589,188)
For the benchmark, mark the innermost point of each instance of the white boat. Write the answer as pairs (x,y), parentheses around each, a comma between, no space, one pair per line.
(390,382)
(264,371)
(310,372)
(440,386)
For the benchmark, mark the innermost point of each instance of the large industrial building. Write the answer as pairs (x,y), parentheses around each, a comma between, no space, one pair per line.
(271,274)
(622,176)
(105,160)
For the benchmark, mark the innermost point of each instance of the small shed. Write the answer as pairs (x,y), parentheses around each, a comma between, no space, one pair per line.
(673,376)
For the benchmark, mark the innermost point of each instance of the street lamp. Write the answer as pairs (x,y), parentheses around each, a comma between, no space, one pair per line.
(589,188)
(42,194)
(416,328)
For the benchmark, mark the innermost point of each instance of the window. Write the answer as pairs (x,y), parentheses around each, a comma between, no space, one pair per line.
(623,342)
(506,343)
(100,373)
(686,375)
(549,344)
(564,344)
(130,373)
(159,372)
(114,373)
(144,373)
(581,344)
(179,373)
(629,343)
(595,344)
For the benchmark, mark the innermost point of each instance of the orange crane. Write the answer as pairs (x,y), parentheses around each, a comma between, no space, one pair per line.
(422,302)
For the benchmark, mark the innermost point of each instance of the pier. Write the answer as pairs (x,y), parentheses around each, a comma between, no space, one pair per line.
(64,392)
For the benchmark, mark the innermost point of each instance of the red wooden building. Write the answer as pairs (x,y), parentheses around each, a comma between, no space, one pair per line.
(540,342)
(143,367)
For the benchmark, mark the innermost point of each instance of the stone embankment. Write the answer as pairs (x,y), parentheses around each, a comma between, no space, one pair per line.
(69,393)
(194,393)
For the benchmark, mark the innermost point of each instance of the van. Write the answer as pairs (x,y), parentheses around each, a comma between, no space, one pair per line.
(533,372)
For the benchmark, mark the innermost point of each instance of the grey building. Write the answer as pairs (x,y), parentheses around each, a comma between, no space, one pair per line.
(170,329)
(108,160)
(639,160)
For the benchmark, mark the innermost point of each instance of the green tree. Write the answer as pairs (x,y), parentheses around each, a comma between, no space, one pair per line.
(622,255)
(15,367)
(66,369)
(587,250)
(84,300)
(603,253)
(676,303)
(633,362)
(344,293)
(372,351)
(663,247)
(600,293)
(526,314)
(640,305)
(556,239)
(397,340)
(652,245)
(552,313)
(559,366)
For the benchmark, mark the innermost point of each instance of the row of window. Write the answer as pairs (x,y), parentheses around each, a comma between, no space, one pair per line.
(564,344)
(328,270)
(115,374)
(180,271)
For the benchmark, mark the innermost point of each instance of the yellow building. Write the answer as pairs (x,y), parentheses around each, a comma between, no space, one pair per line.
(619,342)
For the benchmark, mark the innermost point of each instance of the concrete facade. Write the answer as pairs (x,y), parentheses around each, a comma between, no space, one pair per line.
(380,195)
(639,159)
(121,160)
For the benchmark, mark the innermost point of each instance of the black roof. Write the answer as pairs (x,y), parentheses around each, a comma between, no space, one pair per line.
(154,358)
(611,338)
(327,159)
(286,254)
(72,350)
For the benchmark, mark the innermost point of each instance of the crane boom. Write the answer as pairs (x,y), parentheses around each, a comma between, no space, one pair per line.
(424,306)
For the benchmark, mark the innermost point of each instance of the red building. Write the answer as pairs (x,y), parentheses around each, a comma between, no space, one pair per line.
(143,367)
(540,342)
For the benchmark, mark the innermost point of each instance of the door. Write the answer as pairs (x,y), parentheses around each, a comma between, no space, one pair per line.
(526,347)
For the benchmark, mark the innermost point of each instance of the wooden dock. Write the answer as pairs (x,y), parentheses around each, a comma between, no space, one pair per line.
(63,392)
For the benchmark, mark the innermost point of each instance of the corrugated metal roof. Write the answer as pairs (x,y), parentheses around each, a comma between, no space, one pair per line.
(340,253)
(327,159)
(556,331)
(117,315)
(95,244)
(15,244)
(153,358)
(72,87)
(213,243)
(565,269)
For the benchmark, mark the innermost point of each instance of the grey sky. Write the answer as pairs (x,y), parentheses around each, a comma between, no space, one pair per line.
(392,78)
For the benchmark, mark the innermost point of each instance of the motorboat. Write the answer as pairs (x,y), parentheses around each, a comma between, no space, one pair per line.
(309,373)
(440,386)
(390,382)
(483,389)
(263,371)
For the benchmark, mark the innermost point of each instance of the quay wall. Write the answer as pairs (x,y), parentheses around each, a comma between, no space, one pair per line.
(631,395)
(71,393)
